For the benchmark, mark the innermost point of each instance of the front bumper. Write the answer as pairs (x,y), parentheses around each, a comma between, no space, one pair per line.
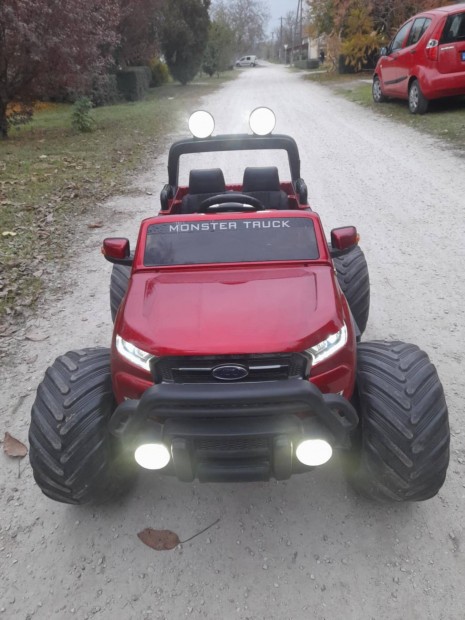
(234,432)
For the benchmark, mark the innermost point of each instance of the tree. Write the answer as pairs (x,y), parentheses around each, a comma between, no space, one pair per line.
(137,32)
(246,18)
(388,15)
(360,37)
(183,31)
(46,45)
(219,54)
(330,18)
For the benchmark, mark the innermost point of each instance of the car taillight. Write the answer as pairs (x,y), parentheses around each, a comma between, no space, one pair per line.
(432,49)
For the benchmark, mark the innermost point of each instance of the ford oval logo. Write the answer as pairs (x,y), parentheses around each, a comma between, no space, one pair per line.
(230,372)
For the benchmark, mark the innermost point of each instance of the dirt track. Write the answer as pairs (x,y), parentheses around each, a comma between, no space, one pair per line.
(309,547)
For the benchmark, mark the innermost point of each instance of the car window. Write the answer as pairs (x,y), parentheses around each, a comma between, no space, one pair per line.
(397,41)
(230,241)
(454,30)
(418,28)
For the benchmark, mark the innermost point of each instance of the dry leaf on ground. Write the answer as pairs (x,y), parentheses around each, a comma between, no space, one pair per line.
(36,336)
(161,540)
(13,447)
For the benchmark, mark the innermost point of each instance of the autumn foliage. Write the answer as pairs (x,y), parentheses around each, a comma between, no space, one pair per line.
(137,32)
(356,28)
(48,45)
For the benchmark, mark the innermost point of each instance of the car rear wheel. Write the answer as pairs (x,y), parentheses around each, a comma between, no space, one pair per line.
(376,91)
(74,459)
(120,275)
(417,102)
(402,451)
(354,280)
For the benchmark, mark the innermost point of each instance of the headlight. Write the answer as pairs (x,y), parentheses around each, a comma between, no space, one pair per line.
(201,124)
(152,455)
(133,354)
(262,121)
(328,347)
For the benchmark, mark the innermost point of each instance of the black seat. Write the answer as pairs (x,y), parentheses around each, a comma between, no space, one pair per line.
(202,184)
(263,183)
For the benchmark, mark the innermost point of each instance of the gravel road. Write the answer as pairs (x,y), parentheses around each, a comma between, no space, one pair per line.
(308,547)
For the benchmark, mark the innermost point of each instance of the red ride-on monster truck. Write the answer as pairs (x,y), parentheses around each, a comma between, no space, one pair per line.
(236,351)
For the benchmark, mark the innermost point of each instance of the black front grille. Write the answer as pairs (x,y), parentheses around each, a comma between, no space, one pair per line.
(256,368)
(230,444)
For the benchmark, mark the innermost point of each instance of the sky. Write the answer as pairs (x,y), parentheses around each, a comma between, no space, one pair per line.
(279,8)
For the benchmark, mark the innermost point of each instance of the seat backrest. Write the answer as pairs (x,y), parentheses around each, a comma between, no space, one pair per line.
(263,183)
(202,184)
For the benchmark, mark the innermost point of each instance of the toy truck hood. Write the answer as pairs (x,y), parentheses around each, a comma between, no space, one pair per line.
(216,311)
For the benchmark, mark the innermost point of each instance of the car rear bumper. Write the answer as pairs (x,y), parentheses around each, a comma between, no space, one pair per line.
(234,432)
(444,85)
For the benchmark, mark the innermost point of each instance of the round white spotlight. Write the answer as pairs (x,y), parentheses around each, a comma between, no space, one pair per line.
(152,455)
(201,124)
(262,121)
(314,452)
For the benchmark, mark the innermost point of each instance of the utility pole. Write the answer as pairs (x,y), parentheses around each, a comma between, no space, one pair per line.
(298,28)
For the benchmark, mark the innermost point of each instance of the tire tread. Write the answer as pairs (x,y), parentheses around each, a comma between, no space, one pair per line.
(405,429)
(352,275)
(71,453)
(120,275)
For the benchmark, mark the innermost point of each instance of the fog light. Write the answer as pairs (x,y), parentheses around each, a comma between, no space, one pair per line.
(152,455)
(313,452)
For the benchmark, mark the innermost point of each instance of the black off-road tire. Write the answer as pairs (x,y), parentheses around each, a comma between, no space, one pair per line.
(73,457)
(354,280)
(120,275)
(376,91)
(417,102)
(403,443)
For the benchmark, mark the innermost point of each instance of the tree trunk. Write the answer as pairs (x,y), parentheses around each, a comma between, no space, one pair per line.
(3,122)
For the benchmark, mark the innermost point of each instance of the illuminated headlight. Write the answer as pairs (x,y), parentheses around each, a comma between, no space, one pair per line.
(152,456)
(133,354)
(201,124)
(314,452)
(328,347)
(262,121)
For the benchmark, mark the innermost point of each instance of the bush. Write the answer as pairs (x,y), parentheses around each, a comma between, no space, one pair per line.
(19,114)
(160,72)
(81,118)
(134,82)
(104,90)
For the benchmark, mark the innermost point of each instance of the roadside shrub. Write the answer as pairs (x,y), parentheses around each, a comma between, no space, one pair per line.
(104,90)
(81,115)
(160,72)
(134,82)
(19,114)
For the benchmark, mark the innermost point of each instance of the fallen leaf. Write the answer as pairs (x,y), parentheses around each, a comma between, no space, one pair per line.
(95,225)
(36,336)
(160,540)
(13,447)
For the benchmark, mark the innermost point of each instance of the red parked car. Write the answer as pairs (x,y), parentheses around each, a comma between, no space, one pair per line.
(425,60)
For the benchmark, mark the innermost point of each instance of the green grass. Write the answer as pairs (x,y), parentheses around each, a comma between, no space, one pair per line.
(445,119)
(49,172)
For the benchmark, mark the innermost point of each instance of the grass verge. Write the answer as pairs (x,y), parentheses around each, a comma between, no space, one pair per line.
(49,173)
(445,118)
